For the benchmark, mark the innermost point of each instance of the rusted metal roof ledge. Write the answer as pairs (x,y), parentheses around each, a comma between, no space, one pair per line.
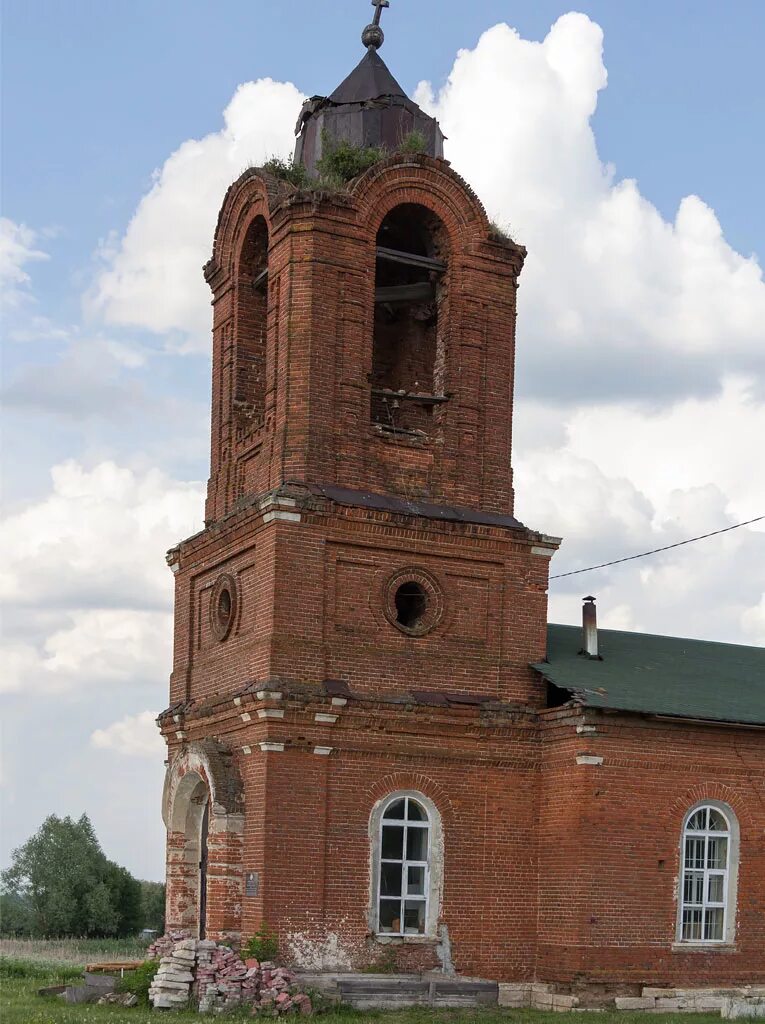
(424,509)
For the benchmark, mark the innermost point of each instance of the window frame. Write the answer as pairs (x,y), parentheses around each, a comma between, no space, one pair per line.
(433,866)
(705,873)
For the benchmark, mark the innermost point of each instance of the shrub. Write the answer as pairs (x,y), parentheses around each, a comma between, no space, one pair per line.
(499,233)
(342,161)
(264,945)
(414,142)
(139,981)
(287,170)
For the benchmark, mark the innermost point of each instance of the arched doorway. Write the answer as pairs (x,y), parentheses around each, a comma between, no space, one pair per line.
(191,828)
(204,833)
(203,809)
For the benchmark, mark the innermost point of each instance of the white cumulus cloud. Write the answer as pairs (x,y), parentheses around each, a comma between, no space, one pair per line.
(133,736)
(17,249)
(86,593)
(153,275)
(615,301)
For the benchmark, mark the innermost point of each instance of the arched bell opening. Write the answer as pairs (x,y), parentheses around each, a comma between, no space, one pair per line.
(410,320)
(252,323)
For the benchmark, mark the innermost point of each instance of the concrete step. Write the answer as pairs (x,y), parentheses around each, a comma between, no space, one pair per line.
(370,991)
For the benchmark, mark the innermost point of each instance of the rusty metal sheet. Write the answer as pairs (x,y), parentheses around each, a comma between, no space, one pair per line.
(402,506)
(336,688)
(432,697)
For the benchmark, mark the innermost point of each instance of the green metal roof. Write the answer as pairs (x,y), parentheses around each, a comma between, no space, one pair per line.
(659,675)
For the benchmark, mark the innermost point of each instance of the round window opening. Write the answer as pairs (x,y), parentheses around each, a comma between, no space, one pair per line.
(411,605)
(223,606)
(413,601)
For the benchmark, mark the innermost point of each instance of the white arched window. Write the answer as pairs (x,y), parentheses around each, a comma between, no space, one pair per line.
(403,876)
(709,863)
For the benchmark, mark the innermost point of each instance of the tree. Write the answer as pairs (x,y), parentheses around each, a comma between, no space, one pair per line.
(63,877)
(153,906)
(16,916)
(125,892)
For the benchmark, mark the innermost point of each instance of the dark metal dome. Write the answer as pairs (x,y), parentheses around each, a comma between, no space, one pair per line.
(369,108)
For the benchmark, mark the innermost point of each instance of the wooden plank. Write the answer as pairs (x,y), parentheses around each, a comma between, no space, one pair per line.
(411,396)
(260,279)
(410,259)
(108,968)
(421,291)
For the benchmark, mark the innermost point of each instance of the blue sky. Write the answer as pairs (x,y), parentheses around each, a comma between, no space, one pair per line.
(641,338)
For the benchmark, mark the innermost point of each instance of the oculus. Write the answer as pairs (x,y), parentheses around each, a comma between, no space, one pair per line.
(223,606)
(413,601)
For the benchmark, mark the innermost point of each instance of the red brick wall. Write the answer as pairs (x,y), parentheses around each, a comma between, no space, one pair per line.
(556,870)
(610,848)
(325,618)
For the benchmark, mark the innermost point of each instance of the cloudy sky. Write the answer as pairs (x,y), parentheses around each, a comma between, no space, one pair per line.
(618,141)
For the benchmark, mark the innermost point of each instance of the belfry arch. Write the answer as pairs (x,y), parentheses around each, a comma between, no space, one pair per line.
(251,326)
(410,320)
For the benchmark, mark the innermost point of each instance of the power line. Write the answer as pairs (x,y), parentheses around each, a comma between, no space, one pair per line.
(655,551)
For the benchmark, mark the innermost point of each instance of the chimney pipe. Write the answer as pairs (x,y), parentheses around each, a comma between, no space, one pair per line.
(590,628)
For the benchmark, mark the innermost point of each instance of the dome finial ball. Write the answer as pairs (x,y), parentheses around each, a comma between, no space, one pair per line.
(373,36)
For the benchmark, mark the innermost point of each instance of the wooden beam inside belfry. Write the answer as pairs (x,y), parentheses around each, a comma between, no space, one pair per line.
(260,279)
(421,291)
(410,259)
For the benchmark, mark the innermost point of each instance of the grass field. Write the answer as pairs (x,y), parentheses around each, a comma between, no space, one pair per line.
(55,963)
(73,951)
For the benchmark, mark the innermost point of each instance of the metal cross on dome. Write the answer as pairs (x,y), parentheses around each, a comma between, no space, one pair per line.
(373,36)
(379,4)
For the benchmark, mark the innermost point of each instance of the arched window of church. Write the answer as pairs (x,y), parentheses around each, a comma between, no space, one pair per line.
(251,324)
(404,868)
(709,874)
(409,321)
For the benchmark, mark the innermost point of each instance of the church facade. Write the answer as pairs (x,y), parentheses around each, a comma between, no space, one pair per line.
(376,744)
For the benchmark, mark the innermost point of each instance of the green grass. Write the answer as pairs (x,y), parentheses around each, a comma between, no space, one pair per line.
(20,1004)
(73,951)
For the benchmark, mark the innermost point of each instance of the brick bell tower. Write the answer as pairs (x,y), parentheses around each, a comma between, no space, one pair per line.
(355,624)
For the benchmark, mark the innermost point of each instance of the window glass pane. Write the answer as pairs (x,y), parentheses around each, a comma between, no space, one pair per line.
(416,844)
(390,879)
(392,842)
(415,881)
(717,852)
(694,853)
(713,925)
(390,915)
(416,812)
(698,820)
(693,888)
(414,917)
(717,822)
(396,810)
(716,891)
(692,925)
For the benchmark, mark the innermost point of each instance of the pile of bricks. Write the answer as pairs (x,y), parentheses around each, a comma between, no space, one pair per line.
(223,981)
(217,979)
(172,983)
(274,992)
(164,945)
